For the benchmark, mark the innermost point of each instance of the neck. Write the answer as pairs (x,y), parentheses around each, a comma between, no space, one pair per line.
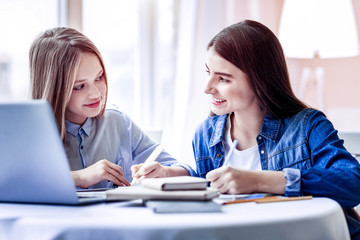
(245,127)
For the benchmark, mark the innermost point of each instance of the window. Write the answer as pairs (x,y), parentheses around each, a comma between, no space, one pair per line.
(21,21)
(136,40)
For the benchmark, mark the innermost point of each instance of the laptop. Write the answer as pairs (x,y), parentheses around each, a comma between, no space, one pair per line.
(33,162)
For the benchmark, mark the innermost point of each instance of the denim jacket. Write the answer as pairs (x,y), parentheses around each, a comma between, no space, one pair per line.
(305,146)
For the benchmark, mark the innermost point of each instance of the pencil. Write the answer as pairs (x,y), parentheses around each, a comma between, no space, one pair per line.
(245,200)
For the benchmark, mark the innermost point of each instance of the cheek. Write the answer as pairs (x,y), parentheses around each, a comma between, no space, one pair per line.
(102,88)
(72,102)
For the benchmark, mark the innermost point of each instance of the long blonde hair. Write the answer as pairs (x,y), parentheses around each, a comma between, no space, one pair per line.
(54,59)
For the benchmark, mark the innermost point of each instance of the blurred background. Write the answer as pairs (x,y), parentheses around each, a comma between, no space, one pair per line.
(154,53)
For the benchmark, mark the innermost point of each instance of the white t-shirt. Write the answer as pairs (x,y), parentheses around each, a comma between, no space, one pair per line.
(248,159)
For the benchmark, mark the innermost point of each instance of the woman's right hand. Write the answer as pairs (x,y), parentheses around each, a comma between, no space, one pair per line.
(99,171)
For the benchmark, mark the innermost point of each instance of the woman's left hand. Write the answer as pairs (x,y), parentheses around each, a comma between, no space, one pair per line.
(236,181)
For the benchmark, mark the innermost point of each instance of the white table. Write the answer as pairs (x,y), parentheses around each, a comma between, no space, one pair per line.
(319,218)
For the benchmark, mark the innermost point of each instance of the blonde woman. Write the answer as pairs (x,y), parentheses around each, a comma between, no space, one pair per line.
(102,144)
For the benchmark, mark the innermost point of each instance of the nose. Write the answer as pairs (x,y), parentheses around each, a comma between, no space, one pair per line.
(209,88)
(94,92)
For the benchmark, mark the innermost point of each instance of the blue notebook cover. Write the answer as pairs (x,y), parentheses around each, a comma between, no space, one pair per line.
(182,206)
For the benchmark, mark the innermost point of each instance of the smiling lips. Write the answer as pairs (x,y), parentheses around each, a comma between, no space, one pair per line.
(93,105)
(217,101)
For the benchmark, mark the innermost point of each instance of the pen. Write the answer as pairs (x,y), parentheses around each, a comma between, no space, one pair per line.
(269,199)
(228,157)
(282,199)
(150,159)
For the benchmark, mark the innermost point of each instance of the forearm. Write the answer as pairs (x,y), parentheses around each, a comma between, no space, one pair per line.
(76,177)
(177,171)
(270,182)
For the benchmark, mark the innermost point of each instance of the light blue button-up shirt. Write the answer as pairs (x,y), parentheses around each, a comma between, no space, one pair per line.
(114,137)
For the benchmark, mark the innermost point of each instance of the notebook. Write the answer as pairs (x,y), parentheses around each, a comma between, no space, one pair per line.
(167,206)
(33,162)
(176,183)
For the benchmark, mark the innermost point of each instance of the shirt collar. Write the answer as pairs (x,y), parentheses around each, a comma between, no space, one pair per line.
(270,127)
(74,129)
(218,132)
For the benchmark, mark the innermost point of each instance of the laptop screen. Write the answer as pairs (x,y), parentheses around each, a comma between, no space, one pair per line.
(34,167)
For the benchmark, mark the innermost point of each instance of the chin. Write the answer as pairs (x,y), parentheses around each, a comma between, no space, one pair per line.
(94,113)
(219,112)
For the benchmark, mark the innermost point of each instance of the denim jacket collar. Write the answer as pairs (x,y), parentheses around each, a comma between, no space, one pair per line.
(269,129)
(218,132)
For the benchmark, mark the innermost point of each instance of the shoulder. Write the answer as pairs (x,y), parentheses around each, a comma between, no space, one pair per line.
(112,111)
(112,116)
(212,123)
(212,128)
(310,120)
(307,116)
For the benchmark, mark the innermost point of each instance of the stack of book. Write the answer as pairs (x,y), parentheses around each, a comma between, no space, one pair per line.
(171,188)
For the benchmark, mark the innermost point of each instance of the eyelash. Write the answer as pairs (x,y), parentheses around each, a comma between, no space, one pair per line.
(99,78)
(79,87)
(221,78)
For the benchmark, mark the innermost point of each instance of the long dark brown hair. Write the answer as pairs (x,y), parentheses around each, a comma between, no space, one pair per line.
(255,50)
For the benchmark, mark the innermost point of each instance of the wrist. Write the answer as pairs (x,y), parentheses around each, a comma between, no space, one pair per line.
(270,182)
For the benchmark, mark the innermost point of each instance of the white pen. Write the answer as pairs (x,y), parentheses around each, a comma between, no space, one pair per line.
(228,157)
(150,159)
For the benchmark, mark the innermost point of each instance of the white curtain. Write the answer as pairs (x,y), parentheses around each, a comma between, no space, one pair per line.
(199,22)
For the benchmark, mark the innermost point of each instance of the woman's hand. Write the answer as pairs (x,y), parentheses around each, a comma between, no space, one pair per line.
(156,170)
(99,171)
(236,181)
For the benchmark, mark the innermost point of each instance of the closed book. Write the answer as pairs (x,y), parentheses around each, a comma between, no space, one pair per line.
(141,192)
(175,183)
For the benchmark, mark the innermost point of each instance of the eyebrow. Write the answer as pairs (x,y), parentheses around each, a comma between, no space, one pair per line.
(79,81)
(219,73)
(83,80)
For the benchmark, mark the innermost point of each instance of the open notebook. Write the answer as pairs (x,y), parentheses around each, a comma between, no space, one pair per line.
(33,162)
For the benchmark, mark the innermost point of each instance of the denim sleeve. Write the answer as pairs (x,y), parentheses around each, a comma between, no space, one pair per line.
(293,177)
(335,172)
